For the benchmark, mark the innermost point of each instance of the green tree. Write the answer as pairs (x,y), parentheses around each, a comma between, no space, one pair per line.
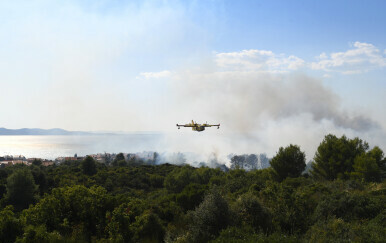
(10,226)
(348,206)
(122,163)
(252,213)
(89,166)
(335,157)
(334,230)
(288,162)
(37,162)
(148,228)
(21,189)
(191,196)
(120,221)
(39,178)
(378,155)
(156,181)
(237,181)
(179,178)
(375,229)
(118,157)
(72,210)
(248,234)
(290,209)
(39,234)
(366,168)
(211,216)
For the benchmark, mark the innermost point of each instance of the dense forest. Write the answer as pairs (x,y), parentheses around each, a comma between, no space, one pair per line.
(339,198)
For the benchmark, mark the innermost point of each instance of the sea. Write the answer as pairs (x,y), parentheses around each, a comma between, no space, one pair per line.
(51,147)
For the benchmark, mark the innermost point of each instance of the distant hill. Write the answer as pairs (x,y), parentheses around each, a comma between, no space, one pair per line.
(38,131)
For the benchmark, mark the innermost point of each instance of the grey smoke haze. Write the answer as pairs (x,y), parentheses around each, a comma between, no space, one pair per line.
(245,100)
(259,112)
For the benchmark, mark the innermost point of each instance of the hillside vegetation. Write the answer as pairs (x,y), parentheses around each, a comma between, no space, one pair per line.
(340,198)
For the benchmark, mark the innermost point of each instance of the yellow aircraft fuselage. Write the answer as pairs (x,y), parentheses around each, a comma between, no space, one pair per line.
(198,127)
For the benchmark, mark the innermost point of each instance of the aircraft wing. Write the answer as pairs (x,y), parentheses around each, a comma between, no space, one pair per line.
(218,126)
(186,125)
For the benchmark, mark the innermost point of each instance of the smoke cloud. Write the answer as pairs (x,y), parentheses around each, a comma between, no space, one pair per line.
(259,111)
(245,100)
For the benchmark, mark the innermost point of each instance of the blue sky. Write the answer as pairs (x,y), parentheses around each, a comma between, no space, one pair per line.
(304,26)
(285,69)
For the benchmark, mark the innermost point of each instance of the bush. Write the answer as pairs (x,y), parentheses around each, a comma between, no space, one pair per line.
(38,234)
(209,218)
(334,230)
(67,209)
(247,234)
(348,207)
(121,219)
(191,196)
(10,226)
(252,213)
(148,228)
(178,179)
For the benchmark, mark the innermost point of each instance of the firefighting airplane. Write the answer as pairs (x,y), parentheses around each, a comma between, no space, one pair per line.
(198,127)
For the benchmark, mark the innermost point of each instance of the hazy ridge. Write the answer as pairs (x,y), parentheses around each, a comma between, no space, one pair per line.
(39,131)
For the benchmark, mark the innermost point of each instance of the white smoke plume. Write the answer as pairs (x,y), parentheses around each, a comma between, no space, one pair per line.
(259,111)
